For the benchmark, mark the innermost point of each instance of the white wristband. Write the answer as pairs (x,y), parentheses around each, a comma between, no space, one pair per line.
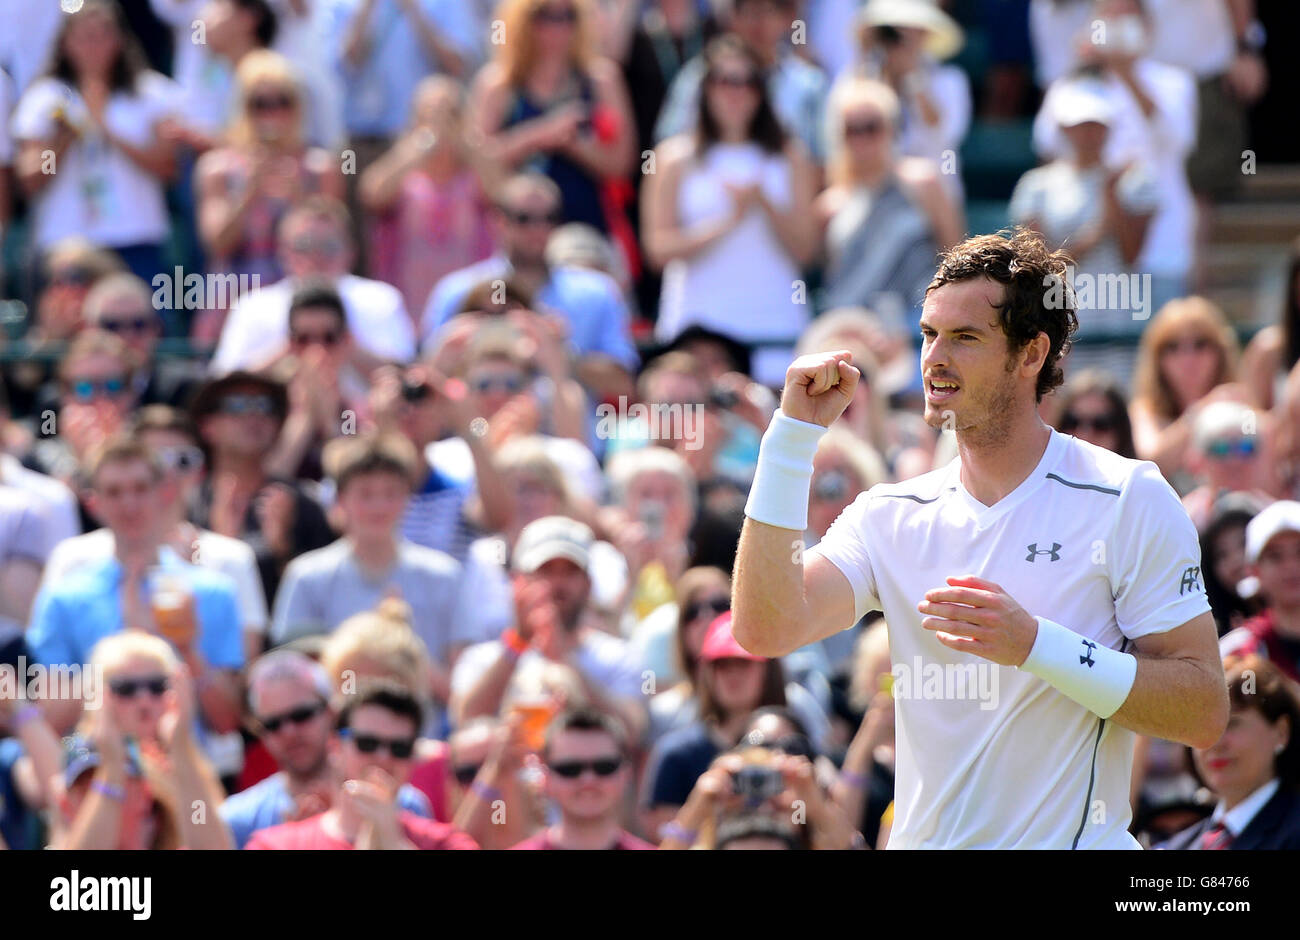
(779,494)
(1095,676)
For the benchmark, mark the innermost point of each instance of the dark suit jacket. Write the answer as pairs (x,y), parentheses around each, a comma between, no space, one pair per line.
(1275,826)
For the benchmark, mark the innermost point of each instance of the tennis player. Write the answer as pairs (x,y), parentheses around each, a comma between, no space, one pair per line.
(1067,573)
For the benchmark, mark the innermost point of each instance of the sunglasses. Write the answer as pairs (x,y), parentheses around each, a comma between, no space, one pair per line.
(129,688)
(506,383)
(246,405)
(306,245)
(1199,344)
(400,748)
(532,218)
(1223,449)
(713,606)
(869,128)
(465,775)
(183,459)
(87,390)
(72,277)
(297,716)
(271,103)
(327,339)
(556,16)
(144,323)
(831,486)
(733,80)
(601,767)
(1100,423)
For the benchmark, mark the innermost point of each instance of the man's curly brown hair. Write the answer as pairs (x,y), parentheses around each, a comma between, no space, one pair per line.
(1020,261)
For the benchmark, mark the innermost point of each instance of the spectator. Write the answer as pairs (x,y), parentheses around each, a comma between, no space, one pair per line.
(426,196)
(377,728)
(110,595)
(903,43)
(25,544)
(1273,557)
(31,756)
(170,437)
(577,743)
(1186,360)
(123,305)
(314,242)
(864,789)
(884,218)
(491,762)
(288,697)
(1223,562)
(142,796)
(796,88)
(373,476)
(1092,407)
(72,267)
(548,102)
(246,187)
(1273,352)
(552,589)
(1154,124)
(728,212)
(1101,214)
(589,302)
(239,418)
(1253,769)
(1230,454)
(54,500)
(97,113)
(732,682)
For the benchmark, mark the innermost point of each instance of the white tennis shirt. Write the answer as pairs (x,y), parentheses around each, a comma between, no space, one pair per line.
(989,756)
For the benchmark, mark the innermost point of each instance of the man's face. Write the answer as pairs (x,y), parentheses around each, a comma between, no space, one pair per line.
(468,748)
(371,724)
(963,345)
(1278,570)
(659,495)
(225,24)
(315,247)
(570,588)
(373,503)
(1230,461)
(243,421)
(835,484)
(318,338)
(492,382)
(762,24)
(527,220)
(97,387)
(124,496)
(135,322)
(299,726)
(594,793)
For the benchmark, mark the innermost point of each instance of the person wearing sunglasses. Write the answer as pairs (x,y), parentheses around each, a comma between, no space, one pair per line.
(288,705)
(372,750)
(874,195)
(587,774)
(1093,408)
(1230,453)
(314,241)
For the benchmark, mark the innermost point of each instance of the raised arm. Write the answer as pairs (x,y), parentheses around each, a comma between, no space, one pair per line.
(781,603)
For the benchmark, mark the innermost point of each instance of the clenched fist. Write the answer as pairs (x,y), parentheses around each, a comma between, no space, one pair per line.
(819,386)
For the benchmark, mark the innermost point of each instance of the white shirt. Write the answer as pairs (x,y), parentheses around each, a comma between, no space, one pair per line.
(1238,818)
(1197,35)
(1090,540)
(218,552)
(62,517)
(1162,143)
(96,191)
(259,324)
(27,42)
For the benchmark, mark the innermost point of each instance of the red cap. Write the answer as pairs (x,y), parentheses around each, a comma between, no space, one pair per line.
(719,643)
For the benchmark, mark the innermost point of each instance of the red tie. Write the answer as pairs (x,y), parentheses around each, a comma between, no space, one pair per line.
(1216,837)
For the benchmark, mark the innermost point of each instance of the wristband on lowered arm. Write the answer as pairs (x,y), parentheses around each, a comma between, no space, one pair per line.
(783,476)
(1095,676)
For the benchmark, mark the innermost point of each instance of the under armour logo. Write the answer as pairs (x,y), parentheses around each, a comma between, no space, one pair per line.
(1054,551)
(1088,658)
(1191,580)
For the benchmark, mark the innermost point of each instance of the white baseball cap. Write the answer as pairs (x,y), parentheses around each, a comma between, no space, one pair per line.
(552,537)
(1082,102)
(1281,516)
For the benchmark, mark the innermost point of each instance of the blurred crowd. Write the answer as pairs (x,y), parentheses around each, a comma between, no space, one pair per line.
(393,372)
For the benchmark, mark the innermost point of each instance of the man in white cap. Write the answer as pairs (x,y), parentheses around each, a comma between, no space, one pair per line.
(552,586)
(1229,455)
(1273,554)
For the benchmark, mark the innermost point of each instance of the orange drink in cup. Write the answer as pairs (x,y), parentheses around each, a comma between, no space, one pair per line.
(535,715)
(172,605)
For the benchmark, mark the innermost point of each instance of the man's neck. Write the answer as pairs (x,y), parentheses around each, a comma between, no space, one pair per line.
(1286,622)
(995,461)
(129,551)
(245,468)
(532,273)
(590,835)
(239,49)
(374,554)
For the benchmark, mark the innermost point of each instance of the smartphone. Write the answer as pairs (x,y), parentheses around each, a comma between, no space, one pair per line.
(651,515)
